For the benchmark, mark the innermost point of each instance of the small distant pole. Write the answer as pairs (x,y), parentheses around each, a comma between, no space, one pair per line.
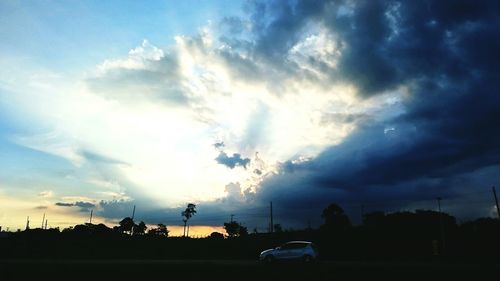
(91,211)
(43,220)
(232,217)
(271,228)
(133,215)
(441,225)
(496,201)
(28,223)
(46,223)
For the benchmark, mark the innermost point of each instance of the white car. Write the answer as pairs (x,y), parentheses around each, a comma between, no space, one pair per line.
(293,250)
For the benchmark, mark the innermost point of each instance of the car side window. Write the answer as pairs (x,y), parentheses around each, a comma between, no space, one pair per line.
(293,246)
(299,245)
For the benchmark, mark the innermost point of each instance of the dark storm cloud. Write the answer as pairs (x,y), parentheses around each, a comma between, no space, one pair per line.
(117,209)
(62,204)
(342,118)
(444,52)
(446,141)
(238,202)
(384,43)
(84,206)
(232,161)
(278,26)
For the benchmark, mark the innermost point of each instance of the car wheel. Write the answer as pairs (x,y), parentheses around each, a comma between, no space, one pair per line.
(269,259)
(307,259)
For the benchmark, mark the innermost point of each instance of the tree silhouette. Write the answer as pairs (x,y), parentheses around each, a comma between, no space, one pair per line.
(374,219)
(126,225)
(235,229)
(216,235)
(139,229)
(335,218)
(187,214)
(278,228)
(160,230)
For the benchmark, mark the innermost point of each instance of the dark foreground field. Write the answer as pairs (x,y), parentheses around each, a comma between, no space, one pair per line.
(241,270)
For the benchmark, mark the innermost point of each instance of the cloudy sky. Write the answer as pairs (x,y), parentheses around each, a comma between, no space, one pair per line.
(375,105)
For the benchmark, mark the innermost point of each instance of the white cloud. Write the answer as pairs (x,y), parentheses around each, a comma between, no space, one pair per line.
(52,143)
(46,194)
(138,58)
(169,147)
(77,198)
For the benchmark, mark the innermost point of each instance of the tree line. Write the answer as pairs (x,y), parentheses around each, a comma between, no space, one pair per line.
(418,234)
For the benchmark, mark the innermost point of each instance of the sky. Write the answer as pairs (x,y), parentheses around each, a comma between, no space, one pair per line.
(231,105)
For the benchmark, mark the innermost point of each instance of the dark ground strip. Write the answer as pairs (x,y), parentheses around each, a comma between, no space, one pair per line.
(241,270)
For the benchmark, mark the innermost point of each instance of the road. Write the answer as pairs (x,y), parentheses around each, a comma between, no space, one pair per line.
(241,270)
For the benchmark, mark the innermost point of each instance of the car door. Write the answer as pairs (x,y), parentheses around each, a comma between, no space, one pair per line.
(296,251)
(284,251)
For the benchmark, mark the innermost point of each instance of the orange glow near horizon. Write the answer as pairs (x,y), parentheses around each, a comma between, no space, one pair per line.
(195,231)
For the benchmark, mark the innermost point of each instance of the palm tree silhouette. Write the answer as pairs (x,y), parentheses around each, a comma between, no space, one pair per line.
(187,214)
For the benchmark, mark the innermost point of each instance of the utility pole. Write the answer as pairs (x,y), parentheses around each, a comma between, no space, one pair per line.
(43,220)
(271,228)
(91,211)
(441,225)
(133,215)
(46,223)
(232,217)
(362,213)
(28,223)
(496,201)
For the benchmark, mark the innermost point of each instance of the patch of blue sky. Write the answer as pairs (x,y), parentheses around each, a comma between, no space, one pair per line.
(71,36)
(21,162)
